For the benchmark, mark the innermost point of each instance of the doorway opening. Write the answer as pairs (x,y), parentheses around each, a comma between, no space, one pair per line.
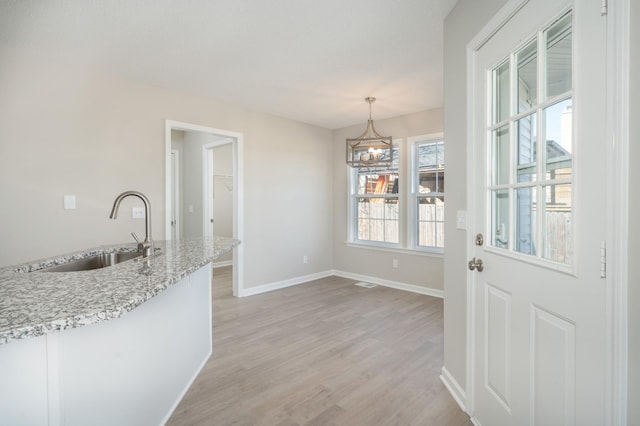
(203,187)
(218,192)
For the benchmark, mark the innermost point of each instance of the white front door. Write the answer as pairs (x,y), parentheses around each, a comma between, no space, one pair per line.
(539,192)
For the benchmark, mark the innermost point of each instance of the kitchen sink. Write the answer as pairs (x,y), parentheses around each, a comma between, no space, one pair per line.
(98,261)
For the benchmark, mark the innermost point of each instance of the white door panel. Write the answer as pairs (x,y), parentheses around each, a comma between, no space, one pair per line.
(538,306)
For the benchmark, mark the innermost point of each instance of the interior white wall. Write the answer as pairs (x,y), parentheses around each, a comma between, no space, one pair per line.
(462,24)
(65,129)
(418,270)
(634,224)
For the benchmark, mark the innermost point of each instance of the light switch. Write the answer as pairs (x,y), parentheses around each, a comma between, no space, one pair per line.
(137,212)
(69,202)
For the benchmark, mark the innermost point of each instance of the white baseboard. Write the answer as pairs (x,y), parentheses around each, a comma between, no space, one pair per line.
(251,291)
(393,284)
(222,264)
(454,388)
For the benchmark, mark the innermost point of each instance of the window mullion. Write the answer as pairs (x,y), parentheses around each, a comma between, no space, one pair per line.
(412,195)
(402,200)
(513,142)
(541,144)
(355,208)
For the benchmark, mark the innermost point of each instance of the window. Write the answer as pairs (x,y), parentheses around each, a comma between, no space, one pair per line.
(386,212)
(377,203)
(428,194)
(531,147)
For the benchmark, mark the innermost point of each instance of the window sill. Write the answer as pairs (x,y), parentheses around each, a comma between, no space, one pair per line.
(400,250)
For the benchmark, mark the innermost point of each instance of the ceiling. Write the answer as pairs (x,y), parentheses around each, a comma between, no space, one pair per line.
(312,61)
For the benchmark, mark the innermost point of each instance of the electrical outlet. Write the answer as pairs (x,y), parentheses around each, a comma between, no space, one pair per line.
(395,263)
(305,259)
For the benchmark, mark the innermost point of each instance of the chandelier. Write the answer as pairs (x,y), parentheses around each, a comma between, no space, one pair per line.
(369,149)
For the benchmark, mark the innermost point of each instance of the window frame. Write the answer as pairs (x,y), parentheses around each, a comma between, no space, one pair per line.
(407,201)
(540,182)
(353,203)
(415,195)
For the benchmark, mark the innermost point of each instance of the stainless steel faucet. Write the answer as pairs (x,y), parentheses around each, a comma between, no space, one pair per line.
(146,246)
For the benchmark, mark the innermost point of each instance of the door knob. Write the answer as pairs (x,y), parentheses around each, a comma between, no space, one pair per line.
(476,264)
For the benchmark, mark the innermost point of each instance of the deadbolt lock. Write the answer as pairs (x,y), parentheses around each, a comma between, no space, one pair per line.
(479,239)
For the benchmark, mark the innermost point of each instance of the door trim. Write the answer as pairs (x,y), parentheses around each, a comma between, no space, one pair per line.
(617,280)
(238,207)
(493,26)
(616,311)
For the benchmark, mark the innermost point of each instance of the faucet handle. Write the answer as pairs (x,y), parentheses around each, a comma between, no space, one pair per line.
(141,247)
(135,237)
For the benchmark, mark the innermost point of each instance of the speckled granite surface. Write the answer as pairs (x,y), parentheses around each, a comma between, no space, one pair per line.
(34,302)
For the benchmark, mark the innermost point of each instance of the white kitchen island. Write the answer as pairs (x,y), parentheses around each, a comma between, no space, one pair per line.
(117,345)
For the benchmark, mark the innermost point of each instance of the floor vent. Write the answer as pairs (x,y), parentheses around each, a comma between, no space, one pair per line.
(365,285)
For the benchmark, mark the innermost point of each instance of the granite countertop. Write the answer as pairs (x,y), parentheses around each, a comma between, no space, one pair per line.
(35,303)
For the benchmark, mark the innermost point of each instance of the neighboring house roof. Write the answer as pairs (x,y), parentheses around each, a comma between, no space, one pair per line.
(554,149)
(431,155)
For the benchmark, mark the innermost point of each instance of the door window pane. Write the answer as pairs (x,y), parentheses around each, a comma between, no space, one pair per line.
(527,129)
(500,156)
(558,50)
(500,220)
(526,220)
(558,125)
(501,93)
(527,76)
(558,227)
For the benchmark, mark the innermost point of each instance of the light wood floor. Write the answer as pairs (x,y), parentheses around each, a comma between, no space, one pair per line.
(322,353)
